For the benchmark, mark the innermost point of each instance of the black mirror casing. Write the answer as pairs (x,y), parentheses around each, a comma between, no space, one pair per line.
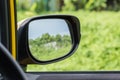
(24,55)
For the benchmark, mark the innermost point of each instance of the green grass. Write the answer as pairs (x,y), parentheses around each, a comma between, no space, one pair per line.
(99,47)
(44,53)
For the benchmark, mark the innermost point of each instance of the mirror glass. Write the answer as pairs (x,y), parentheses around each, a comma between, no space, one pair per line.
(49,39)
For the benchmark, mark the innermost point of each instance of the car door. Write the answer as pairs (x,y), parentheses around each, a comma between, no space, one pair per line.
(7,29)
(72,75)
(7,25)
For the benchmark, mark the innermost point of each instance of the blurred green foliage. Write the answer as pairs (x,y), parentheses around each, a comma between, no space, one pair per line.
(96,5)
(85,4)
(69,5)
(23,4)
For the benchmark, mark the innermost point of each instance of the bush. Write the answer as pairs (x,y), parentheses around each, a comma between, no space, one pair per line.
(96,5)
(79,4)
(39,6)
(23,4)
(113,5)
(69,6)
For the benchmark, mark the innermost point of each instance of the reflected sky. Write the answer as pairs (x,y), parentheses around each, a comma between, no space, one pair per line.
(51,26)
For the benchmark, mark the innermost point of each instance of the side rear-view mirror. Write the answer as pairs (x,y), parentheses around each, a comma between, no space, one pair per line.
(47,39)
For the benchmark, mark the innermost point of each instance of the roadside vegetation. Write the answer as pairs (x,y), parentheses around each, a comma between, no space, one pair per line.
(48,47)
(99,48)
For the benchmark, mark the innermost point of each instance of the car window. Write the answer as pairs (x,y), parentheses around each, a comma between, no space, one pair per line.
(100,27)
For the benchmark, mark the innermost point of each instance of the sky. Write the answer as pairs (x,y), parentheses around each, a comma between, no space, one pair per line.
(51,26)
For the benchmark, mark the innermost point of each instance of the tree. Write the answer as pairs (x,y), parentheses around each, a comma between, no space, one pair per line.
(67,40)
(58,38)
(95,5)
(113,4)
(23,4)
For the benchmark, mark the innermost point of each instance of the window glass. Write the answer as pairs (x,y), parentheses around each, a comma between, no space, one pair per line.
(99,48)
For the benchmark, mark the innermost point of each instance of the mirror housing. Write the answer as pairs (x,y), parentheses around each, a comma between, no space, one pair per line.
(24,54)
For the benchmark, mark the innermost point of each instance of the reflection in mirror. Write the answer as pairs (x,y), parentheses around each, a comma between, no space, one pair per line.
(49,39)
